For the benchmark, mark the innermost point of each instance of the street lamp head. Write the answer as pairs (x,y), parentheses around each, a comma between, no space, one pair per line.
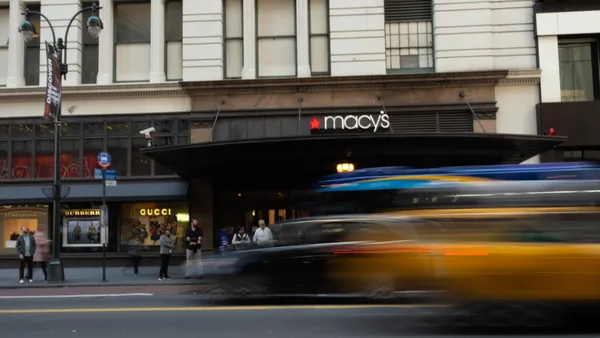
(94,26)
(27,29)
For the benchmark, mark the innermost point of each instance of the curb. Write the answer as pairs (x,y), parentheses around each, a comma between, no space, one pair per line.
(65,285)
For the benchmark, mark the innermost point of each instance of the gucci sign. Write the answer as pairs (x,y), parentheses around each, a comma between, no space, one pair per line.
(155,212)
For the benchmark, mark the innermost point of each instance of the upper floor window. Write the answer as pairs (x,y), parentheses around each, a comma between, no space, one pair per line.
(89,51)
(174,40)
(276,38)
(319,37)
(234,39)
(579,70)
(27,149)
(32,51)
(132,45)
(4,25)
(408,36)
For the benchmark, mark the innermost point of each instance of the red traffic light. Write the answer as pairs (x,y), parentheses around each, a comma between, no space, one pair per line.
(551,132)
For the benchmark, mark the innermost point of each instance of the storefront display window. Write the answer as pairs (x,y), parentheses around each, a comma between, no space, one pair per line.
(81,228)
(149,220)
(14,217)
(81,232)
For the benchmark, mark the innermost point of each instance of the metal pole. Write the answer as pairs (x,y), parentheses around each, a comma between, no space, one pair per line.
(299,115)
(215,121)
(102,228)
(56,272)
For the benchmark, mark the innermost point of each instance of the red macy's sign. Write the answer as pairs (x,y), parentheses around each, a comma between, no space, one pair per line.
(352,122)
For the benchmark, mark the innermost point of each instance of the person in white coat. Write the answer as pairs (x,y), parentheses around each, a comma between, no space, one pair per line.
(241,240)
(263,236)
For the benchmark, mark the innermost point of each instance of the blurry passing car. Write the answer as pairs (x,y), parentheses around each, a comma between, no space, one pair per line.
(361,255)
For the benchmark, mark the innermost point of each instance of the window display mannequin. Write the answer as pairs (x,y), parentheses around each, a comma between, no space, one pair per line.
(77,232)
(91,234)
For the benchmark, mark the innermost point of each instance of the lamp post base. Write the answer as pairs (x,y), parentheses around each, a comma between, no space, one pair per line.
(56,271)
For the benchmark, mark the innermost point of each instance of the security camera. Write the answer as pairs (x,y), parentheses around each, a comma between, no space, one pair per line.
(148,133)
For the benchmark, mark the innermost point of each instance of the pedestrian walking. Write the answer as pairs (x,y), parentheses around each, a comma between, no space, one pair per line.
(134,249)
(41,252)
(26,249)
(166,248)
(193,249)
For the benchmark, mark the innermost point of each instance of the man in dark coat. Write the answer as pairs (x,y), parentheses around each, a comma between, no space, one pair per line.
(26,247)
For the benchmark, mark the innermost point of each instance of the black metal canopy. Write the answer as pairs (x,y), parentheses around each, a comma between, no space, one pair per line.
(304,160)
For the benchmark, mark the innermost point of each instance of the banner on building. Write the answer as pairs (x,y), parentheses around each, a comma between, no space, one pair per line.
(53,85)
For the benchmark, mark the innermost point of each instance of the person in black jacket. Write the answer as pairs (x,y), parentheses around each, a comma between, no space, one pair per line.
(193,248)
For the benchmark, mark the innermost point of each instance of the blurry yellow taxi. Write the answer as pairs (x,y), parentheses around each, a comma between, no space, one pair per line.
(549,254)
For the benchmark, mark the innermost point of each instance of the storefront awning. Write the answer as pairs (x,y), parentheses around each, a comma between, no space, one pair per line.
(89,192)
(309,158)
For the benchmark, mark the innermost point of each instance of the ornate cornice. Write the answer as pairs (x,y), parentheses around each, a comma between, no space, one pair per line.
(86,92)
(317,84)
(521,77)
(289,85)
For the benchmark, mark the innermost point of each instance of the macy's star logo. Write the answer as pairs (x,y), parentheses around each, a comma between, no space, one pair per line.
(315,124)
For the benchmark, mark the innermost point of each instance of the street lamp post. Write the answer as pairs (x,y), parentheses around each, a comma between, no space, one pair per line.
(28,30)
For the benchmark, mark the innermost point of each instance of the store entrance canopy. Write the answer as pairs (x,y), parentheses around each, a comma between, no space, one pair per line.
(306,159)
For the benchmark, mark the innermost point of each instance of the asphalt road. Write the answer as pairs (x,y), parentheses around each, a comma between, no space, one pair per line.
(160,316)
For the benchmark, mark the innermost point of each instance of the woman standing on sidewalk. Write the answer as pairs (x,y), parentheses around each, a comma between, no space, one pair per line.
(41,252)
(166,247)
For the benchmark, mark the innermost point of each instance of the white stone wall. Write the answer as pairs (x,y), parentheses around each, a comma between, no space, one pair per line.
(476,35)
(122,99)
(60,13)
(516,99)
(16,48)
(470,35)
(483,35)
(202,40)
(357,37)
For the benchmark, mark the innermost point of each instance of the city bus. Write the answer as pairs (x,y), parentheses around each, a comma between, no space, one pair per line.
(385,189)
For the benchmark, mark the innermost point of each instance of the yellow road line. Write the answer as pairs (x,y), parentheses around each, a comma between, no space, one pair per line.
(210,308)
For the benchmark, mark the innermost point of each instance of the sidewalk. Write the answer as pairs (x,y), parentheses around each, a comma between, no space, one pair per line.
(115,276)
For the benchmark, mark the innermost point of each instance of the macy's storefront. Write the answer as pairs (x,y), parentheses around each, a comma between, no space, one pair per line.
(257,147)
(264,186)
